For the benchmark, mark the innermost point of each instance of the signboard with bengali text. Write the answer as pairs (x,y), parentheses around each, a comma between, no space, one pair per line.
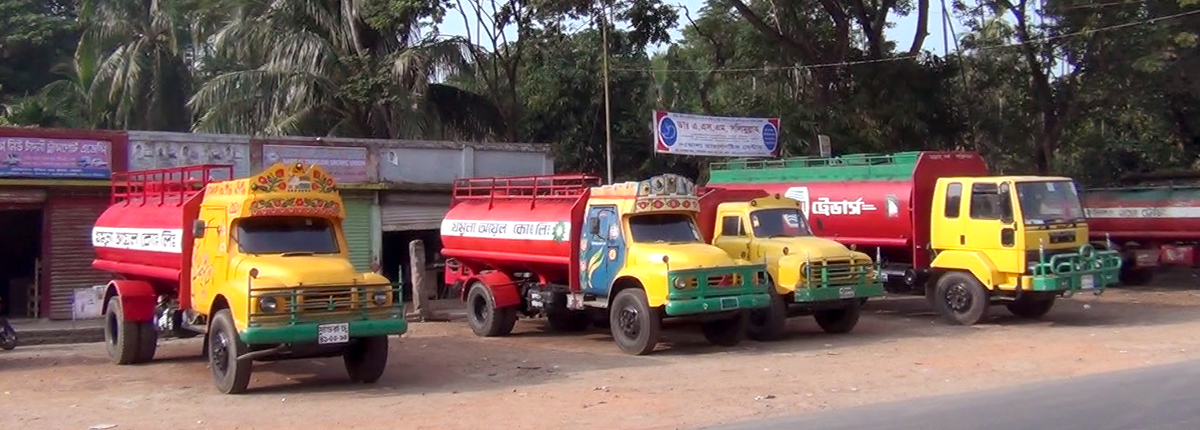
(345,164)
(36,157)
(685,134)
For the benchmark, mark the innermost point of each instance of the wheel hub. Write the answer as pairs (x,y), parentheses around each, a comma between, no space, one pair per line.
(219,353)
(958,298)
(628,322)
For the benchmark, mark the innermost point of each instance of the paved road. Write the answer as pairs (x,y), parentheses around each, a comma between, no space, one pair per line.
(1153,398)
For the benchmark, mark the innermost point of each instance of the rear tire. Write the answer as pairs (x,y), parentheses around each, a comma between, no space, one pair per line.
(960,298)
(366,359)
(726,332)
(635,326)
(231,375)
(485,319)
(122,338)
(768,324)
(839,321)
(1029,306)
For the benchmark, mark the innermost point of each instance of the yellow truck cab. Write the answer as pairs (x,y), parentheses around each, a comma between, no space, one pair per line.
(812,275)
(260,265)
(1021,241)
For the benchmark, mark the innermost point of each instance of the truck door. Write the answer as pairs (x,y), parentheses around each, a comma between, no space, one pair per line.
(210,257)
(605,252)
(990,226)
(731,236)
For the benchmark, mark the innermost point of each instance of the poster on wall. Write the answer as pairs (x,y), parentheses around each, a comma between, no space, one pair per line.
(718,136)
(35,157)
(157,150)
(345,164)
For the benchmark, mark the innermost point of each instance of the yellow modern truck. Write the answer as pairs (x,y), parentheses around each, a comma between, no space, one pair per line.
(259,265)
(943,227)
(564,246)
(812,275)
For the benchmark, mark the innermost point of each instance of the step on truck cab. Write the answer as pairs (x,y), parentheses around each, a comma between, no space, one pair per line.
(943,227)
(565,247)
(259,266)
(812,275)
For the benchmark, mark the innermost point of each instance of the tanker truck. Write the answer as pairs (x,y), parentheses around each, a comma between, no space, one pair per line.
(1152,222)
(943,228)
(812,275)
(564,247)
(257,265)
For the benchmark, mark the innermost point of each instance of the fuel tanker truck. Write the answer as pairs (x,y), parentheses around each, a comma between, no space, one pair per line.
(943,228)
(258,265)
(1153,221)
(564,246)
(811,275)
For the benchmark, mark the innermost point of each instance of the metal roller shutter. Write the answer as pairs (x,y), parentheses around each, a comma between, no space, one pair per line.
(357,227)
(68,266)
(407,212)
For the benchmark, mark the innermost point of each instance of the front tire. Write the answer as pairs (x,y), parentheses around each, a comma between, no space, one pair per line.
(635,326)
(366,359)
(726,332)
(485,319)
(122,338)
(768,324)
(960,298)
(231,375)
(1031,307)
(839,321)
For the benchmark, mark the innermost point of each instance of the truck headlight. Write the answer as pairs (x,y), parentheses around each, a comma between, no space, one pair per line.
(681,283)
(380,298)
(268,304)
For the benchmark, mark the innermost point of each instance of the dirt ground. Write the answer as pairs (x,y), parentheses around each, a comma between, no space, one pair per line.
(442,377)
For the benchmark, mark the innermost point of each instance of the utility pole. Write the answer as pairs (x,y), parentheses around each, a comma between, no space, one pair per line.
(607,119)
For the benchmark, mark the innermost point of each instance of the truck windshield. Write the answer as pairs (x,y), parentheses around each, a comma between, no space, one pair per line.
(286,235)
(1049,202)
(770,223)
(668,228)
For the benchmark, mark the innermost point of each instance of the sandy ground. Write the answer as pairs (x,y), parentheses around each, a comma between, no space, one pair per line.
(442,377)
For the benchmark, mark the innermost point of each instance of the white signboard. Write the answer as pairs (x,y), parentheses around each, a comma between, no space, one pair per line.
(139,239)
(684,134)
(1143,212)
(525,230)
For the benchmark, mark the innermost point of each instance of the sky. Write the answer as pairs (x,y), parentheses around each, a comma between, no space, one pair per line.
(901,32)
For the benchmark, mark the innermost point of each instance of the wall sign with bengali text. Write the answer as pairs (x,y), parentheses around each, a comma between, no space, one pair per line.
(36,157)
(719,136)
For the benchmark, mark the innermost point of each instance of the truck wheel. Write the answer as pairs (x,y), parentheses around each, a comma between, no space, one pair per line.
(635,326)
(768,324)
(726,332)
(1030,306)
(483,316)
(960,298)
(224,347)
(366,359)
(839,321)
(122,338)
(147,341)
(568,320)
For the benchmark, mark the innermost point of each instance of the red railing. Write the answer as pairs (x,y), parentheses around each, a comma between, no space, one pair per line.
(525,187)
(176,183)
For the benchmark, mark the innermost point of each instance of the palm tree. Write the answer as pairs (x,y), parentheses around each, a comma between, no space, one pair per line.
(143,73)
(317,67)
(78,94)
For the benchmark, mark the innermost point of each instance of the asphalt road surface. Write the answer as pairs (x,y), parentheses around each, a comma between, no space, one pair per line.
(1152,398)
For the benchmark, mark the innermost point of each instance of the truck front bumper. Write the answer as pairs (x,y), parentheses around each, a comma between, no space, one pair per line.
(1086,270)
(832,293)
(704,305)
(307,332)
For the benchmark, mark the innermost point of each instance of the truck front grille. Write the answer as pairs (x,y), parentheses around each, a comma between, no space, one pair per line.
(830,273)
(327,300)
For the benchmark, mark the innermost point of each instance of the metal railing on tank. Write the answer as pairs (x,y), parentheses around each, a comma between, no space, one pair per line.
(524,187)
(174,183)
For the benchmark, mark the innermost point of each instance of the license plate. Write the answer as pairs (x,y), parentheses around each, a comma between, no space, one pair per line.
(846,292)
(1087,282)
(729,303)
(333,333)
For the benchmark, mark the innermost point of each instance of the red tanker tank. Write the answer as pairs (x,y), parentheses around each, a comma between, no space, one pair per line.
(513,225)
(141,234)
(866,200)
(1151,224)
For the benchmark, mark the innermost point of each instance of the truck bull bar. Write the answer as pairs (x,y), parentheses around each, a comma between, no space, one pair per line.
(1051,272)
(306,304)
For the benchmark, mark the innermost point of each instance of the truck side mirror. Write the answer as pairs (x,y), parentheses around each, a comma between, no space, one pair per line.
(198,228)
(1006,207)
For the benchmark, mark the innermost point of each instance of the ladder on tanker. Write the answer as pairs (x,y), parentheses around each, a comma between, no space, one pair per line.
(524,187)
